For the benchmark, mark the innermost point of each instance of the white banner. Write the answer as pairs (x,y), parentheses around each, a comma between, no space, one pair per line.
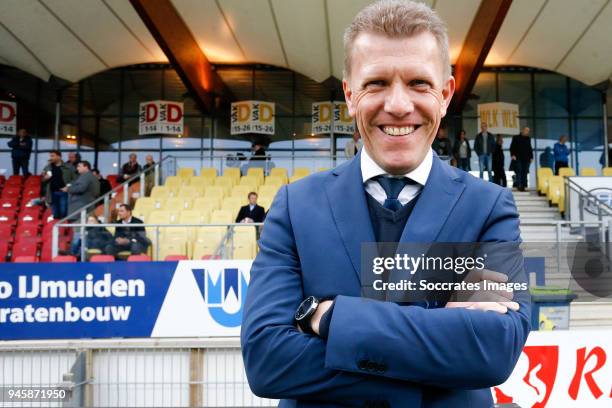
(160,117)
(500,117)
(561,369)
(321,118)
(8,118)
(252,117)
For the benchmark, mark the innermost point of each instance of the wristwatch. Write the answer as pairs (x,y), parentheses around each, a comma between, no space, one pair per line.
(304,313)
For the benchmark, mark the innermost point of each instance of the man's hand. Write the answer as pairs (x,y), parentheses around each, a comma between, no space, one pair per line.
(316,318)
(122,241)
(486,300)
(64,189)
(513,157)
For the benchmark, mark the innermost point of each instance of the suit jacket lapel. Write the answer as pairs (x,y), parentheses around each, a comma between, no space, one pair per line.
(346,195)
(439,196)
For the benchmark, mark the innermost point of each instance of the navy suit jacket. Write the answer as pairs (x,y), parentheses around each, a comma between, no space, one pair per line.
(310,245)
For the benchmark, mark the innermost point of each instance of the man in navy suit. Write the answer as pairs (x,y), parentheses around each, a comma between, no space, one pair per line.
(308,337)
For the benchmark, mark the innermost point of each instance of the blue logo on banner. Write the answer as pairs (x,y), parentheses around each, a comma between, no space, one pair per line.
(225,297)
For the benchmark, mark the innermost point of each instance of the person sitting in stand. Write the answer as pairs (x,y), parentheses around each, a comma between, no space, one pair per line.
(251,212)
(132,239)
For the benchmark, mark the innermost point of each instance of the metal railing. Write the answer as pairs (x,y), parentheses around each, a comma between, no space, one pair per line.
(223,250)
(586,198)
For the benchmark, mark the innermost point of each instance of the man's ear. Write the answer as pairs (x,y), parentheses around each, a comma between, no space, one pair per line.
(447,94)
(348,97)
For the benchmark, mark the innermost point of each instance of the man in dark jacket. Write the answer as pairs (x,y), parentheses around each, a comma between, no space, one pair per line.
(21,146)
(522,152)
(85,188)
(128,239)
(57,175)
(130,169)
(105,185)
(251,212)
(499,172)
(484,145)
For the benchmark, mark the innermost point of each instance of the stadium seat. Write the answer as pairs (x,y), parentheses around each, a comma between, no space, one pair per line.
(279,172)
(139,258)
(294,178)
(270,190)
(301,172)
(27,230)
(233,204)
(226,183)
(606,171)
(26,259)
(214,191)
(555,189)
(4,249)
(207,204)
(112,179)
(173,184)
(33,212)
(6,232)
(11,192)
(256,172)
(320,169)
(588,172)
(24,248)
(221,217)
(208,172)
(192,217)
(102,258)
(265,201)
(160,192)
(65,259)
(182,202)
(251,181)
(241,191)
(543,174)
(200,182)
(185,172)
(232,172)
(170,247)
(9,203)
(176,258)
(189,192)
(274,181)
(207,242)
(566,172)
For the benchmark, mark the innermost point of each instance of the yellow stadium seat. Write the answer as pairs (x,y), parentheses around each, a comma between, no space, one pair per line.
(207,242)
(178,203)
(207,204)
(185,172)
(274,181)
(202,181)
(555,189)
(241,191)
(221,217)
(250,181)
(265,201)
(243,250)
(192,217)
(295,178)
(322,169)
(173,183)
(245,233)
(189,192)
(233,205)
(566,172)
(145,203)
(588,172)
(160,217)
(606,171)
(226,183)
(279,172)
(301,171)
(160,192)
(270,190)
(208,172)
(543,174)
(233,173)
(256,172)
(170,247)
(214,191)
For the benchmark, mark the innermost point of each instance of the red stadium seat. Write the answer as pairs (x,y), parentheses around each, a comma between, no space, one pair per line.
(11,191)
(102,258)
(206,257)
(25,259)
(139,258)
(8,216)
(27,230)
(47,216)
(176,258)
(64,259)
(46,252)
(24,248)
(6,232)
(9,203)
(27,240)
(4,248)
(30,211)
(112,179)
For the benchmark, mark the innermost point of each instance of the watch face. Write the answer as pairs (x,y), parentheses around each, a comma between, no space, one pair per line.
(304,308)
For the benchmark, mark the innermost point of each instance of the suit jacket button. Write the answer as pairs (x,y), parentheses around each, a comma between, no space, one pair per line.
(362,364)
(372,366)
(381,368)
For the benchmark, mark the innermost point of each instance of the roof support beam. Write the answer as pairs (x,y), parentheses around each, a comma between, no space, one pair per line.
(478,42)
(178,43)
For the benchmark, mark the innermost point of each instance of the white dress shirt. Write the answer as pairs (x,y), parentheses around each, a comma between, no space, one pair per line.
(369,170)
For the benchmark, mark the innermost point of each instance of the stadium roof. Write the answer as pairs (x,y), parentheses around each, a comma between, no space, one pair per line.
(73,39)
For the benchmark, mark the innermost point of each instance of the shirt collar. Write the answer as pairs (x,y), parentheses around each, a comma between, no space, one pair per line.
(370,169)
(128,221)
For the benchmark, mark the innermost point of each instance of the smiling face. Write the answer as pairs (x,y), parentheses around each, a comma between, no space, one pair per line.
(398,95)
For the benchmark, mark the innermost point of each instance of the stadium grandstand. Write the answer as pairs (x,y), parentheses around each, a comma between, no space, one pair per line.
(143,143)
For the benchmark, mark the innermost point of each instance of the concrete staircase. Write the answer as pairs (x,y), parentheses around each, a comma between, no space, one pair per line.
(535,209)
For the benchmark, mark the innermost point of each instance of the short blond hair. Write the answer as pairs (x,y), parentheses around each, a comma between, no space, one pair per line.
(397,19)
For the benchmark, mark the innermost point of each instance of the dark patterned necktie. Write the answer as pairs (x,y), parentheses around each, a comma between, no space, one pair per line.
(393,186)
